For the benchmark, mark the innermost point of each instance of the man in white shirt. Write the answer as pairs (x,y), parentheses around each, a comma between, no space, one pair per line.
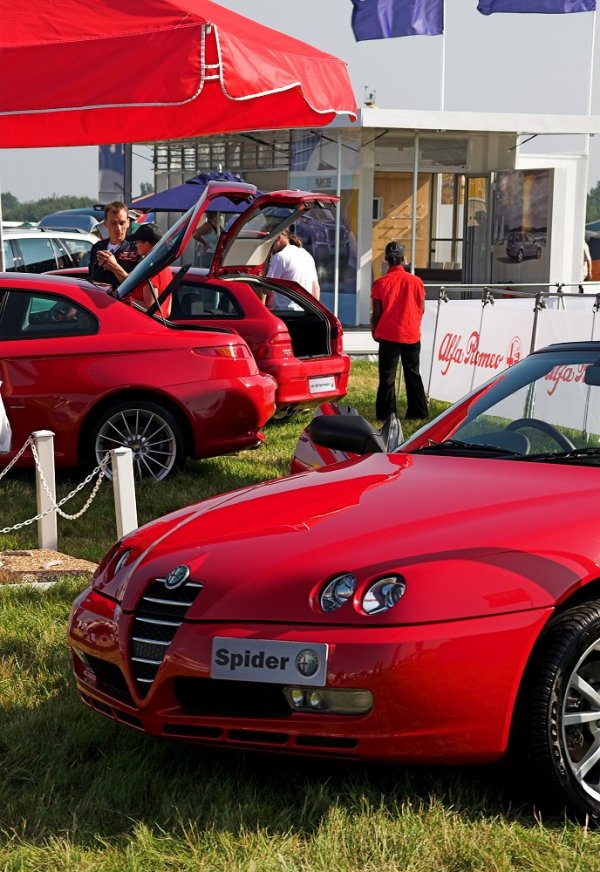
(291,261)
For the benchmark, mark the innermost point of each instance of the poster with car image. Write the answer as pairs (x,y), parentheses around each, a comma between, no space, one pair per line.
(520,228)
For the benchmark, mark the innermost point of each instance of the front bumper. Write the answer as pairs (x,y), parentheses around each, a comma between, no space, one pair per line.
(442,692)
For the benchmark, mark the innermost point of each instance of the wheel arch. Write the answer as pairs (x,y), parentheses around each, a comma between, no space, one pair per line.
(127,395)
(588,593)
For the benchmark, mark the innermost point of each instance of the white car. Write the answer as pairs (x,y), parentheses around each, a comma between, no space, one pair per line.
(37,251)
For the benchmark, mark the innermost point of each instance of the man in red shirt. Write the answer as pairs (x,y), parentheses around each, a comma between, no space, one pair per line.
(398,303)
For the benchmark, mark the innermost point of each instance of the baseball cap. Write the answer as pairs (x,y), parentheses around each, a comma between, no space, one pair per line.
(146,233)
(394,249)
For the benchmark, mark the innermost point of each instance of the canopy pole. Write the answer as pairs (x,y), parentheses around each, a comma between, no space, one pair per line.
(127,172)
(591,79)
(443,71)
(413,235)
(338,191)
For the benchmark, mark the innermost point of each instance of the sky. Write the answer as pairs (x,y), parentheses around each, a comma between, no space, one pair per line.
(502,63)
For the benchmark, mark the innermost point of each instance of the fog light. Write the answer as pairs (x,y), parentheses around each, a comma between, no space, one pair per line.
(329,701)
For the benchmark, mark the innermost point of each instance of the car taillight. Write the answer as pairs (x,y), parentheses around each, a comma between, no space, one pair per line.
(278,346)
(231,352)
(337,339)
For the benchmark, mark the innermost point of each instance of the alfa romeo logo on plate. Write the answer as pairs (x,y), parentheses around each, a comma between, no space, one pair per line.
(177,577)
(307,662)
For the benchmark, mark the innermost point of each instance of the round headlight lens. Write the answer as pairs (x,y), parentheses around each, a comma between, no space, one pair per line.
(383,594)
(338,591)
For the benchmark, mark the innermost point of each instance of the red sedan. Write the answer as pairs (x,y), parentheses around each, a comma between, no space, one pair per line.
(433,604)
(101,373)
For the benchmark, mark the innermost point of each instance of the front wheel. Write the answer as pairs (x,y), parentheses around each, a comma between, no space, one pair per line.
(563,718)
(151,432)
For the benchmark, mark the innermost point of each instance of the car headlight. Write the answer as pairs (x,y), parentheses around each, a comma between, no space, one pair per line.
(383,594)
(337,592)
(122,560)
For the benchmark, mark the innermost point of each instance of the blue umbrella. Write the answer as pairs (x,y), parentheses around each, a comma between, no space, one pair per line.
(183,197)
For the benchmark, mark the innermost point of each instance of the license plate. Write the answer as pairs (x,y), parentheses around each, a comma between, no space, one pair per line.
(269,662)
(321,384)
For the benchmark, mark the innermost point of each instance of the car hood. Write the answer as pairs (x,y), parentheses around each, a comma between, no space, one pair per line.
(174,241)
(469,536)
(245,247)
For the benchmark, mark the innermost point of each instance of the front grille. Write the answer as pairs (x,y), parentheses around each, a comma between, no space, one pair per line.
(243,699)
(159,614)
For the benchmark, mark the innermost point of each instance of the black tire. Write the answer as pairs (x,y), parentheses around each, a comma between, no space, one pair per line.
(520,255)
(560,721)
(147,428)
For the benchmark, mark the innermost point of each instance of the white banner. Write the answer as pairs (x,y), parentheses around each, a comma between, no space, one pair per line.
(473,343)
(558,325)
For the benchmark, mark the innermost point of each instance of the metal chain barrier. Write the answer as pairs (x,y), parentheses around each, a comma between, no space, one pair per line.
(16,457)
(97,471)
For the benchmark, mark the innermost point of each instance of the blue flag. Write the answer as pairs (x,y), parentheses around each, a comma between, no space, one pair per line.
(487,7)
(381,19)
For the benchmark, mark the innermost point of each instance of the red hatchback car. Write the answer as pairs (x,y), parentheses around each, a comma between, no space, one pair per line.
(292,335)
(101,373)
(433,604)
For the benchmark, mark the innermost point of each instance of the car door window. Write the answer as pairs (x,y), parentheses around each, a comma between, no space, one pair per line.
(78,250)
(204,302)
(9,260)
(34,316)
(38,254)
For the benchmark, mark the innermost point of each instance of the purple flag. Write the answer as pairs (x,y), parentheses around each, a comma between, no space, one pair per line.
(381,19)
(487,7)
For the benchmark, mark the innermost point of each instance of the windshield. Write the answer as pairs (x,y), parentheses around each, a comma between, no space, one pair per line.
(545,407)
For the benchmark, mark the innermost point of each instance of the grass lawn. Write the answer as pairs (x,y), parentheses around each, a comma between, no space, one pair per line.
(81,793)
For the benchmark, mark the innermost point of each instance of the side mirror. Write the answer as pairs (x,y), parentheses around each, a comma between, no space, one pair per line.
(346,433)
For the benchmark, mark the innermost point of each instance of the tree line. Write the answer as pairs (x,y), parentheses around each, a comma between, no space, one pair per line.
(593,204)
(33,210)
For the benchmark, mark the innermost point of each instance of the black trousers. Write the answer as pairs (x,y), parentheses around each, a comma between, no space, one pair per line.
(389,355)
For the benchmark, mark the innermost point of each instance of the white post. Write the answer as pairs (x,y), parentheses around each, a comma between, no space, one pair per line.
(413,236)
(124,490)
(338,191)
(46,526)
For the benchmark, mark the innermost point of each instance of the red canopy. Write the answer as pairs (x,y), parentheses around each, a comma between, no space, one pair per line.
(75,72)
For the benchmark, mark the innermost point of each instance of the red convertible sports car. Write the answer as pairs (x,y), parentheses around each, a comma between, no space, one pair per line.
(101,373)
(436,604)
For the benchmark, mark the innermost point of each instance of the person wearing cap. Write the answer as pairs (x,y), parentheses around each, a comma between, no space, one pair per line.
(145,238)
(397,307)
(111,259)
